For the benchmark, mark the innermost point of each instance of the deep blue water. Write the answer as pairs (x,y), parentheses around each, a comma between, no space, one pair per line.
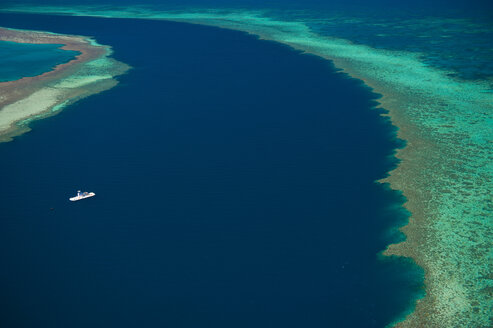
(435,6)
(235,188)
(18,60)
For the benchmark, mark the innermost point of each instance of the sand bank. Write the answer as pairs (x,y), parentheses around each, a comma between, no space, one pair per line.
(29,98)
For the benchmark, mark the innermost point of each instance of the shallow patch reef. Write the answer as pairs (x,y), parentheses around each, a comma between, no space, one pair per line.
(32,98)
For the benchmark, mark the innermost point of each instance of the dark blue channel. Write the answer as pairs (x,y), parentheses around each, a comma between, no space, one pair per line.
(234,183)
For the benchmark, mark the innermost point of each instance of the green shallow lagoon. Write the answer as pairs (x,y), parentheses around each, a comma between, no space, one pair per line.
(18,60)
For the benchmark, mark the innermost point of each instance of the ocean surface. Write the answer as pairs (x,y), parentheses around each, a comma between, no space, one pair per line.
(235,182)
(18,60)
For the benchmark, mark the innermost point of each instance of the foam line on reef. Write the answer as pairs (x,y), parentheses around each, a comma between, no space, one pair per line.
(31,98)
(445,171)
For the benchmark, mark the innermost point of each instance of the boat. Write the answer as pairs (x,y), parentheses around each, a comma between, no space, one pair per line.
(82,195)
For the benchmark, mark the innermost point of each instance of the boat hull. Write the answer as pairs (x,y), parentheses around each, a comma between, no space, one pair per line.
(82,196)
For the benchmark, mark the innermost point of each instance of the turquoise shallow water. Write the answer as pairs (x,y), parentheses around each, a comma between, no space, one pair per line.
(453,41)
(18,60)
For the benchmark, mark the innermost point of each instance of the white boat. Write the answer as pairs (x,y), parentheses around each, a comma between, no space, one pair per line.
(82,195)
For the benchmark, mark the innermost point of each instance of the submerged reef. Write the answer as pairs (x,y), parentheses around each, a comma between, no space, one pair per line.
(31,98)
(445,170)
